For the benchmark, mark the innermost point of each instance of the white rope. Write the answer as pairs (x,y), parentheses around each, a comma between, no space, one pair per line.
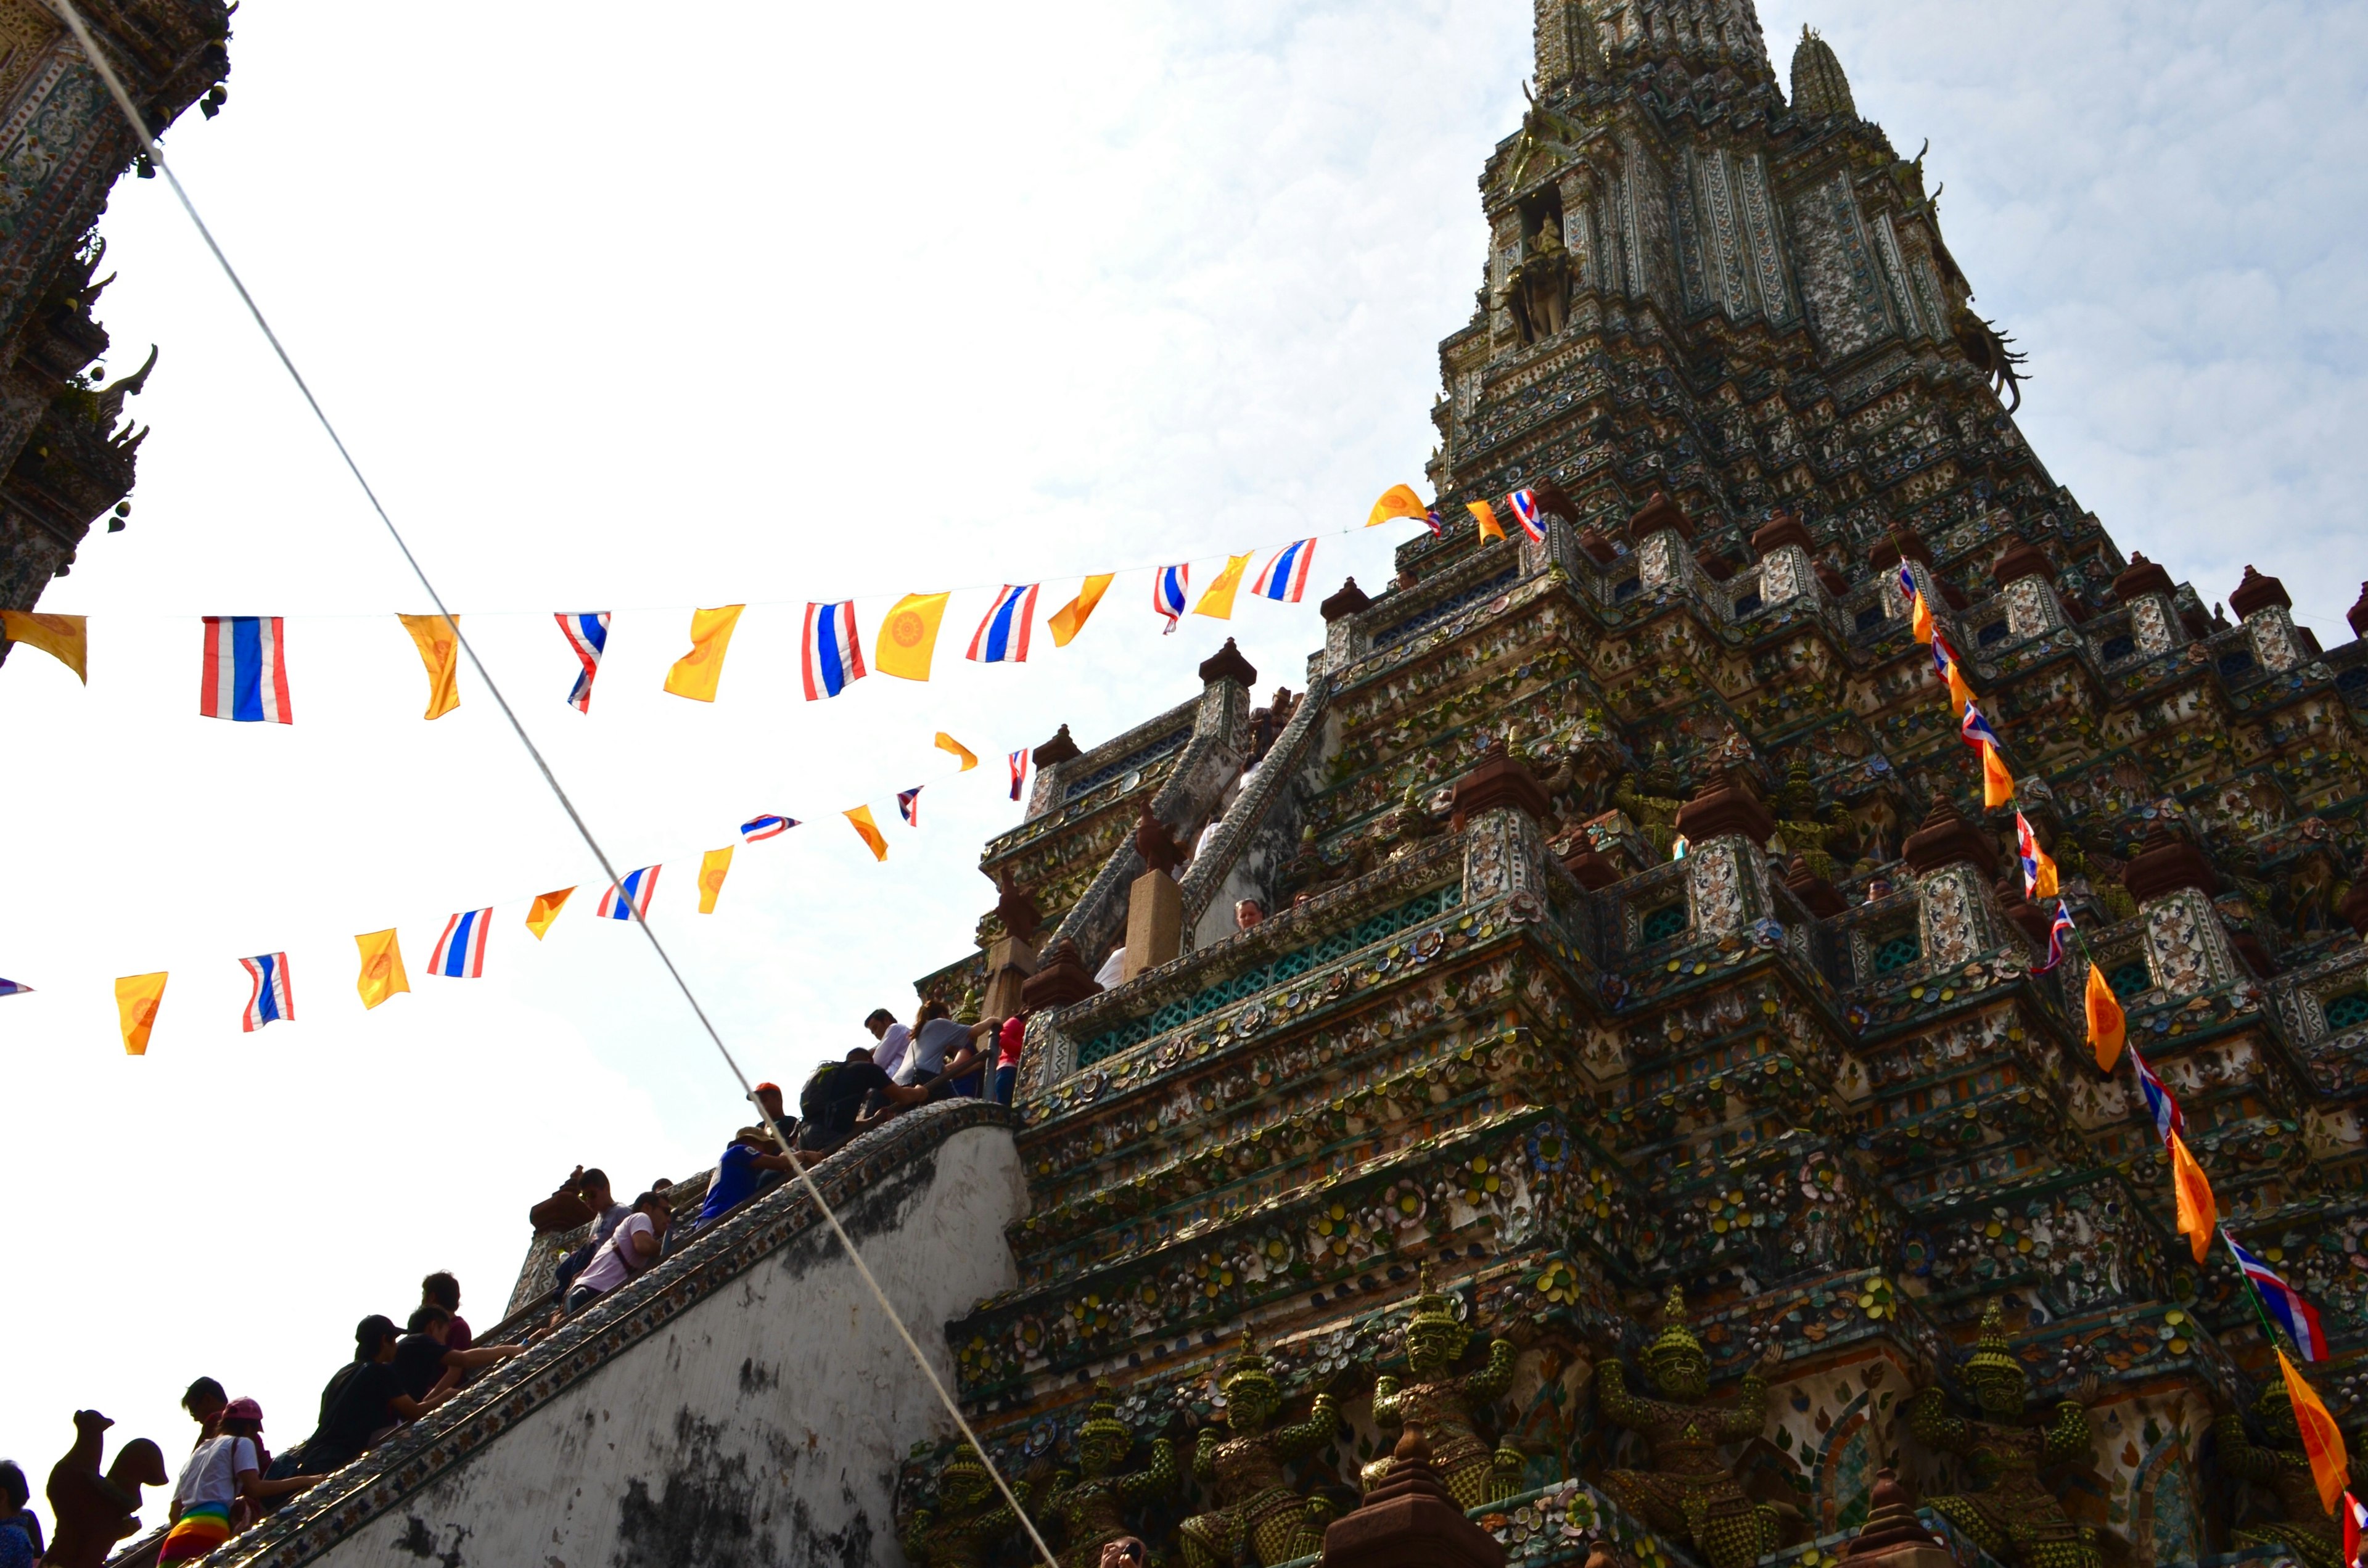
(73,19)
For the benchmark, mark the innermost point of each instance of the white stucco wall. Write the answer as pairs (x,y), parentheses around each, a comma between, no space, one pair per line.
(762,1427)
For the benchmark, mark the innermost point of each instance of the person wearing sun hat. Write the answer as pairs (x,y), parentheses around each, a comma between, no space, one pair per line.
(222,1473)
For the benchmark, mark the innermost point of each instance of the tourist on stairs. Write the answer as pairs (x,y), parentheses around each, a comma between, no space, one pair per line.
(222,1473)
(368,1407)
(831,1104)
(631,1250)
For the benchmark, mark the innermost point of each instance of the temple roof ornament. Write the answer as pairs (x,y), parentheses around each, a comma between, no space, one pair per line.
(1820,90)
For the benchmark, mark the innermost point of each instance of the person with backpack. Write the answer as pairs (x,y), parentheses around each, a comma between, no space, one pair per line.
(831,1101)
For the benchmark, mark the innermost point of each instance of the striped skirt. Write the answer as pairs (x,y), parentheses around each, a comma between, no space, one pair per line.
(200,1529)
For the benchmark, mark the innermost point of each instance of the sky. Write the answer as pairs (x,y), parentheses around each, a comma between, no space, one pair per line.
(817,302)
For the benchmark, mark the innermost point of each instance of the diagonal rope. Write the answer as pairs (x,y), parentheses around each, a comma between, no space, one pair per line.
(74,21)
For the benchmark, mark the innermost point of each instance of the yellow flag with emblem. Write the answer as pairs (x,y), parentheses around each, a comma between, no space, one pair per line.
(697,674)
(439,649)
(65,638)
(381,974)
(909,636)
(1070,619)
(712,865)
(1217,603)
(137,997)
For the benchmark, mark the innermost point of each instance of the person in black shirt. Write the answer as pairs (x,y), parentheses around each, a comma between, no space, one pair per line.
(833,1098)
(371,1401)
(428,1362)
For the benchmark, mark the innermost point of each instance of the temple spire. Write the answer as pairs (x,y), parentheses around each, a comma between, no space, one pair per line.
(1820,91)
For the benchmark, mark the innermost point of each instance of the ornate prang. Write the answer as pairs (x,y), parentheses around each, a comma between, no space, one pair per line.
(1689,1495)
(1443,1405)
(2014,1518)
(1255,1505)
(1092,1504)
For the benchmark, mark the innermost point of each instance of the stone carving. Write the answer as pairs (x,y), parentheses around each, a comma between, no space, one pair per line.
(1689,1495)
(1441,1405)
(1255,1505)
(2014,1517)
(1538,290)
(2280,1463)
(965,1519)
(1092,1505)
(91,1512)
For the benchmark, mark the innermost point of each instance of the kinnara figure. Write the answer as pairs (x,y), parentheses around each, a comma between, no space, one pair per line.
(2013,1518)
(967,1520)
(1092,1507)
(2308,1530)
(1689,1495)
(1442,1404)
(1254,1502)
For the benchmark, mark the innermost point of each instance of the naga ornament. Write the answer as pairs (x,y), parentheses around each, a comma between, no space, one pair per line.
(2014,1518)
(1689,1495)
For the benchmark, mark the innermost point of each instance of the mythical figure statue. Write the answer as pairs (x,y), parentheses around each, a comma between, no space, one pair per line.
(1652,798)
(2308,1530)
(94,1511)
(1442,1404)
(965,1520)
(1092,1505)
(1539,289)
(2014,1518)
(1989,351)
(1255,1504)
(1689,1495)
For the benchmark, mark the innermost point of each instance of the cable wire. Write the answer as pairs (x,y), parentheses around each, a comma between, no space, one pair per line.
(74,21)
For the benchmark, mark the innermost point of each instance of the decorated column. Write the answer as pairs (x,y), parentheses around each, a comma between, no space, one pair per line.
(2187,946)
(1786,570)
(1726,827)
(1955,862)
(2147,589)
(1662,535)
(2027,579)
(2268,614)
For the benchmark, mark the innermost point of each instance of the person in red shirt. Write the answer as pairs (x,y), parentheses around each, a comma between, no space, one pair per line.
(1007,1056)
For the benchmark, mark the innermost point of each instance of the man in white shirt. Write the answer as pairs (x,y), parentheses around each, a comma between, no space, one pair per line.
(894,1040)
(1114,968)
(633,1246)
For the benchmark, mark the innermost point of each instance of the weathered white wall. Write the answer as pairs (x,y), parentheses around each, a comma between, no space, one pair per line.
(763,1426)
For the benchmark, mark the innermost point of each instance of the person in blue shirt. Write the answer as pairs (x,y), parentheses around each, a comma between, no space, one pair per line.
(745,1160)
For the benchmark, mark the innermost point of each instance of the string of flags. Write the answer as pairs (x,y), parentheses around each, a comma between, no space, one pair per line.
(2196,1213)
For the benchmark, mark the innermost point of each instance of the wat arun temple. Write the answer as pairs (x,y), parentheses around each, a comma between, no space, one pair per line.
(1642,1131)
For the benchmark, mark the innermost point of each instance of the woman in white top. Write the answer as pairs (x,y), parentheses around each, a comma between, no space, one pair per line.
(220,1473)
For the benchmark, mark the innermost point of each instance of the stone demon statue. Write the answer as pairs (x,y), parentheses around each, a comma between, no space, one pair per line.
(1092,1505)
(1442,1404)
(1255,1503)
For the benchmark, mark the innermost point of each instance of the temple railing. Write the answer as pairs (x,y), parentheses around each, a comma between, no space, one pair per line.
(1266,813)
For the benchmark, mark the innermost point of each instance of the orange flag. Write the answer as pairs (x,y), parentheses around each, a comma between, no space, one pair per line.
(869,830)
(1397,501)
(1920,618)
(438,641)
(2322,1439)
(65,638)
(712,867)
(2107,1027)
(1489,526)
(545,909)
(1998,784)
(2197,1214)
(1070,619)
(137,997)
(946,743)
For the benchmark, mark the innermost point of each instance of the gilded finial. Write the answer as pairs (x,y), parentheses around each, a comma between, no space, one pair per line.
(1676,1338)
(1990,1352)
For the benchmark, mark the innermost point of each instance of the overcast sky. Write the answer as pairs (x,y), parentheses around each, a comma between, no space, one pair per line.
(815,303)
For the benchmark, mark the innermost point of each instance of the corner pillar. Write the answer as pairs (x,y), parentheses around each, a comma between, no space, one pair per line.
(1957,915)
(2187,951)
(2147,589)
(2268,614)
(2027,579)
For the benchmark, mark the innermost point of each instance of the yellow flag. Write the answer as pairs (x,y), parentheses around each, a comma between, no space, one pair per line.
(2197,1214)
(544,910)
(1489,526)
(695,675)
(1218,602)
(869,830)
(2322,1439)
(439,650)
(2107,1027)
(1397,501)
(137,997)
(947,743)
(65,638)
(909,636)
(1920,618)
(1998,784)
(711,868)
(381,974)
(1070,619)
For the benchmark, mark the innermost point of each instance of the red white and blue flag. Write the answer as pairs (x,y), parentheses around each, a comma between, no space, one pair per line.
(1432,521)
(1018,771)
(246,675)
(461,950)
(756,829)
(2160,1106)
(1168,589)
(1525,507)
(2060,938)
(2026,854)
(2293,1314)
(10,988)
(908,805)
(588,635)
(1976,730)
(631,896)
(272,1002)
(1002,637)
(1906,583)
(1285,576)
(833,654)
(2355,1527)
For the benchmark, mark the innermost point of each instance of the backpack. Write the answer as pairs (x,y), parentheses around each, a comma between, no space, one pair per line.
(813,1103)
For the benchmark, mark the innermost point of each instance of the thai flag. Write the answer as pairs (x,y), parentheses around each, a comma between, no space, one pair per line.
(247,670)
(1285,576)
(1906,583)
(2168,1118)
(637,886)
(833,655)
(1432,521)
(2295,1314)
(759,828)
(1944,658)
(2355,1525)
(10,988)
(2028,855)
(1168,588)
(2059,937)
(461,950)
(908,805)
(1018,771)
(588,635)
(1002,637)
(1976,730)
(272,1000)
(1525,507)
